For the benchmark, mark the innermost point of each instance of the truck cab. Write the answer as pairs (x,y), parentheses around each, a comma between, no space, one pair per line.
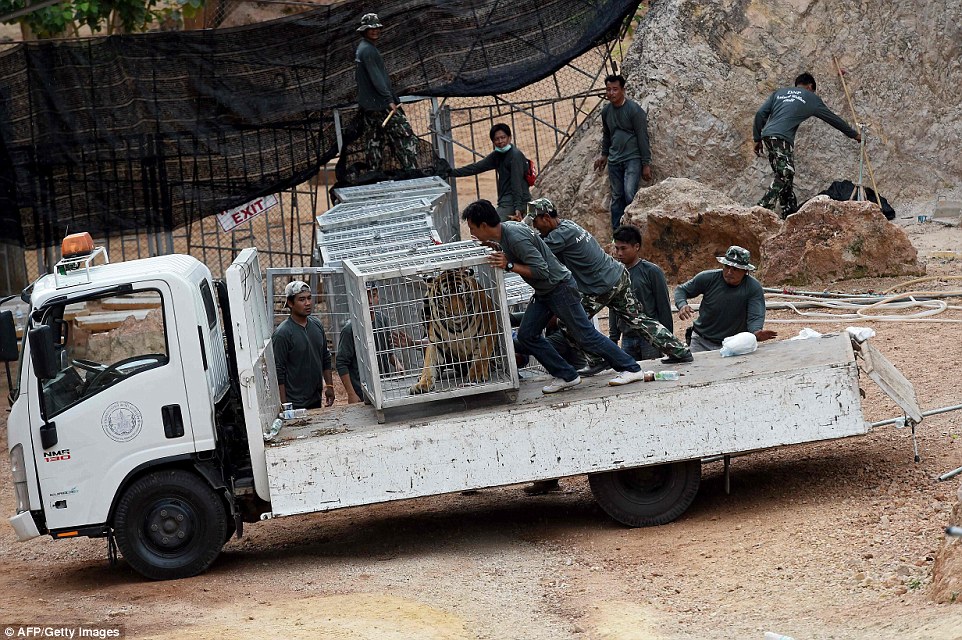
(128,419)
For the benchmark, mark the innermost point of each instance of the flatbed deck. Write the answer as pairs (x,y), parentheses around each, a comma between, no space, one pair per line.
(786,392)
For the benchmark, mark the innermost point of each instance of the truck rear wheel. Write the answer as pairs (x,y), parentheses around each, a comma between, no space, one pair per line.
(647,496)
(170,524)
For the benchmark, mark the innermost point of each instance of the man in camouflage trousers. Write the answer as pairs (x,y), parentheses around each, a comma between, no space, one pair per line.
(602,281)
(781,158)
(376,100)
(775,126)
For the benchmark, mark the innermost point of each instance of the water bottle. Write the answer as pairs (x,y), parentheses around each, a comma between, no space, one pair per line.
(18,318)
(666,375)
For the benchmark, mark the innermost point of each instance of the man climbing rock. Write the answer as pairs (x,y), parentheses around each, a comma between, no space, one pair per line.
(776,123)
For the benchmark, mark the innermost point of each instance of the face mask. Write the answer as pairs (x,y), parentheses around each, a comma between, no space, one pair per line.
(503,149)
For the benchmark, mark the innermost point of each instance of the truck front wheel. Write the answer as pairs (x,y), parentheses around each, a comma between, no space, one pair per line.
(647,496)
(170,524)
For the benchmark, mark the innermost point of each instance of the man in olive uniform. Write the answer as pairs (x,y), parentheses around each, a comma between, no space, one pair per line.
(376,100)
(732,302)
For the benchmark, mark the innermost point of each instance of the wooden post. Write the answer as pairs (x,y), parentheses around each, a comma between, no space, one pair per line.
(868,163)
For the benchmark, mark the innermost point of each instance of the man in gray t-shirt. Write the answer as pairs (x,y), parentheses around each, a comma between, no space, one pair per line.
(300,353)
(776,123)
(385,341)
(732,302)
(523,252)
(624,146)
(603,282)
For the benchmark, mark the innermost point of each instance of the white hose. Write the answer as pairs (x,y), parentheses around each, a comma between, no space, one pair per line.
(862,311)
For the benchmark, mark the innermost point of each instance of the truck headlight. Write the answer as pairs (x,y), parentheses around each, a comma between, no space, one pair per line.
(19,472)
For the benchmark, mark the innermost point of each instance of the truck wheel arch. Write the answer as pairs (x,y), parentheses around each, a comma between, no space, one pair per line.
(185,462)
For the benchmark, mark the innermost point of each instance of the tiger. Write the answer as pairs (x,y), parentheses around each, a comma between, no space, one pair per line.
(461,324)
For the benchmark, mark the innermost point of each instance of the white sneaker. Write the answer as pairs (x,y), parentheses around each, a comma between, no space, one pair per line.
(559,384)
(626,377)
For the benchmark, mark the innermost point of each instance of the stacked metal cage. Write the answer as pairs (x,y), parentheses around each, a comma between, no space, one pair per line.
(433,325)
(431,188)
(357,229)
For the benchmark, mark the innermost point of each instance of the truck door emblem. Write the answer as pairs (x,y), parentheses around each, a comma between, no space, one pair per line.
(122,421)
(56,456)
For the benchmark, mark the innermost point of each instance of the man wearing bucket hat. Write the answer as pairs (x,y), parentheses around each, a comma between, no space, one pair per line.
(381,116)
(732,302)
(602,281)
(300,353)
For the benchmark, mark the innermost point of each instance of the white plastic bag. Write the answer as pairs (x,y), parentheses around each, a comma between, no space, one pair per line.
(739,344)
(806,333)
(861,334)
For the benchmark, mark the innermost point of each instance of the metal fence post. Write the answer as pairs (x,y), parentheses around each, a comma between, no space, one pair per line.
(444,145)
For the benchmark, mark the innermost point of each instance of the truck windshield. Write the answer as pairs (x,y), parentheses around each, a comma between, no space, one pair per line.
(103,342)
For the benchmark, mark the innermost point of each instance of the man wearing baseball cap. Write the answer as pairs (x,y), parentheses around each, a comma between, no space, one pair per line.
(732,302)
(300,353)
(381,115)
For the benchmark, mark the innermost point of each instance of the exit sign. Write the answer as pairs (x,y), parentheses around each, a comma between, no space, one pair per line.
(246,212)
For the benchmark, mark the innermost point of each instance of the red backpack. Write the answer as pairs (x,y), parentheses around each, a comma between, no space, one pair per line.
(530,173)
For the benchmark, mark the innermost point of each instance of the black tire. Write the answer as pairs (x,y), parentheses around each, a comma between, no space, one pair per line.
(170,524)
(647,496)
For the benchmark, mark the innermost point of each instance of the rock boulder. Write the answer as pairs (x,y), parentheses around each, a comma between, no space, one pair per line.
(828,240)
(685,225)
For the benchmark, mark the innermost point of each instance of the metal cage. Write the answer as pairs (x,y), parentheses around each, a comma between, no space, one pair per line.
(432,188)
(364,241)
(371,213)
(434,325)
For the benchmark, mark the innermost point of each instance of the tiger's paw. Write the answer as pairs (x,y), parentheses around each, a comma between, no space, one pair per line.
(478,374)
(420,387)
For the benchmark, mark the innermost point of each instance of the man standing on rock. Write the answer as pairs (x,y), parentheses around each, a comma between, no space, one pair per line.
(732,302)
(624,146)
(776,123)
(381,116)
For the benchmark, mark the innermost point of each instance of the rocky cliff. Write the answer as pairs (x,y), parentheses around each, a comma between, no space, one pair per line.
(703,67)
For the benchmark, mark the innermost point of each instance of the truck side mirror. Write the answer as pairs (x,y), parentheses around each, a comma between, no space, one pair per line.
(43,352)
(9,349)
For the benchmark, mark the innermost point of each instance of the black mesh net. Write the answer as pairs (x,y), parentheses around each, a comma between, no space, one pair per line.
(151,132)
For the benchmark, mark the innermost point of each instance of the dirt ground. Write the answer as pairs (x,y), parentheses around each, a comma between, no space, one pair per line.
(829,540)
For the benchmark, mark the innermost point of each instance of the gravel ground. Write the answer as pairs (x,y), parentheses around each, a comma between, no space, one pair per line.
(828,540)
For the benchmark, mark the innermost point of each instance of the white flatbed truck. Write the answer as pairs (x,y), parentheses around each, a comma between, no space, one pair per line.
(165,453)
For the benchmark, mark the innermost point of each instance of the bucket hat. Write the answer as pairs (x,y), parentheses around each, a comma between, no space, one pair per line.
(370,21)
(737,257)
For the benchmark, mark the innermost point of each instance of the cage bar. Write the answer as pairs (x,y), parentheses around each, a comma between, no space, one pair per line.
(434,325)
(392,188)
